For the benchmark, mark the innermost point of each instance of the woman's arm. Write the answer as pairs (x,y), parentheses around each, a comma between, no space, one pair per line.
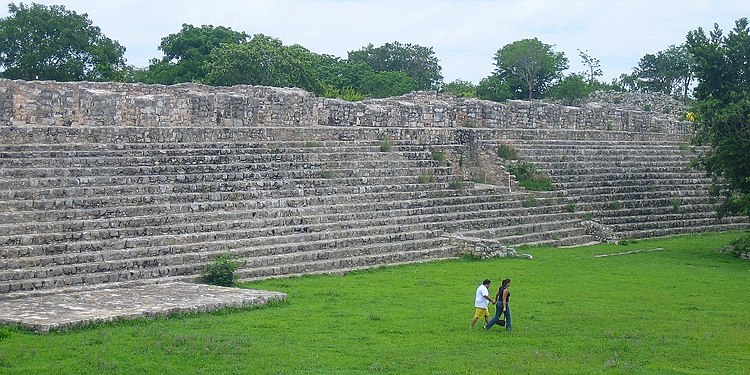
(505,298)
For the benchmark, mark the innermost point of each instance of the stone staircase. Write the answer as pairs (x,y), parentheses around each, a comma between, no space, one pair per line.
(637,188)
(92,213)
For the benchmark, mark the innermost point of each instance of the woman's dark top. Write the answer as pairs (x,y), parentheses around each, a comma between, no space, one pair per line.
(507,300)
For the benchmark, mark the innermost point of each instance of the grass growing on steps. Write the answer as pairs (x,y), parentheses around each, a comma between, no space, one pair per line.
(683,309)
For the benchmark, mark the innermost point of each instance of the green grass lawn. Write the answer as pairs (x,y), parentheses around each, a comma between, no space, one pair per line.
(681,310)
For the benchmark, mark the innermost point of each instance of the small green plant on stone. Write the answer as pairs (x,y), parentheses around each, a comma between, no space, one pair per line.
(386,145)
(530,201)
(587,216)
(479,179)
(507,151)
(456,184)
(327,174)
(469,124)
(616,205)
(425,178)
(220,271)
(312,144)
(570,207)
(438,156)
(529,177)
(676,203)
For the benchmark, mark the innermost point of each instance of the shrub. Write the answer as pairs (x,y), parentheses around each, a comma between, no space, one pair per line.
(570,207)
(425,178)
(507,152)
(348,94)
(327,174)
(312,144)
(220,271)
(529,177)
(438,156)
(740,247)
(456,184)
(530,201)
(676,203)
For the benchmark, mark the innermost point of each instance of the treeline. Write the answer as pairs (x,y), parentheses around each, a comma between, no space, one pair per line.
(54,43)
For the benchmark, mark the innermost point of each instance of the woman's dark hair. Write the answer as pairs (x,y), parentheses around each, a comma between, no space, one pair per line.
(506,282)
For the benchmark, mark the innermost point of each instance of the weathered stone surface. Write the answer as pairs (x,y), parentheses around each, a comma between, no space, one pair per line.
(75,308)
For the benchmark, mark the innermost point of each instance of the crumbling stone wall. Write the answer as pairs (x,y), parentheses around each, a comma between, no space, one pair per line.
(658,105)
(118,104)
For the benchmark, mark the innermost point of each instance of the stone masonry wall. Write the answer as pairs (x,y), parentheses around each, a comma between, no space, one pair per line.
(118,104)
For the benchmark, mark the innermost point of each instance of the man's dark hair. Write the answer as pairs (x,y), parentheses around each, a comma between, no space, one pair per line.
(486,282)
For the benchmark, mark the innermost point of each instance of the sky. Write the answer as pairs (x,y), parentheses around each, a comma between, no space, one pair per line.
(464,34)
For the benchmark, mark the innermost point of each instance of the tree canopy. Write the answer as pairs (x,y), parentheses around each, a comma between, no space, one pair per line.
(668,72)
(53,43)
(529,65)
(186,53)
(416,61)
(722,110)
(263,60)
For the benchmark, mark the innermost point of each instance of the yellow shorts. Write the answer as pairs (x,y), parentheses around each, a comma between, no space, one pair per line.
(481,313)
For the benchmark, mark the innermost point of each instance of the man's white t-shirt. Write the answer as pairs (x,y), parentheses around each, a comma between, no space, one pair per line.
(480,301)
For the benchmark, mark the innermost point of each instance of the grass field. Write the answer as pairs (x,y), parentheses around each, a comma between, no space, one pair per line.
(681,310)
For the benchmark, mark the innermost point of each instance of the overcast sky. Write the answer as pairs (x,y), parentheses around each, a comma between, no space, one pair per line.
(465,34)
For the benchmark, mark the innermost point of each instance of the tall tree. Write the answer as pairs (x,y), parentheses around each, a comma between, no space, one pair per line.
(722,110)
(263,60)
(186,53)
(532,62)
(416,61)
(668,72)
(53,43)
(592,64)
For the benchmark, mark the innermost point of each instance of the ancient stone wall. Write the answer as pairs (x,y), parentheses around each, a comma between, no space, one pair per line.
(117,104)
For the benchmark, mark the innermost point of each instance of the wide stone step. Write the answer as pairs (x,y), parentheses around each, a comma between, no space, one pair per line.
(187,263)
(417,255)
(675,230)
(254,203)
(447,214)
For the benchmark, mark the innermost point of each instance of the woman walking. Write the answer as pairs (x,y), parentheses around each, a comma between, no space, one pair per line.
(502,306)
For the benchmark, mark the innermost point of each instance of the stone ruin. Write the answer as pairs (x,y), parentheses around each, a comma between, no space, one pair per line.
(108,184)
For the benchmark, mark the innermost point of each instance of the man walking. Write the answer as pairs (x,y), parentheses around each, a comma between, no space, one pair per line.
(481,303)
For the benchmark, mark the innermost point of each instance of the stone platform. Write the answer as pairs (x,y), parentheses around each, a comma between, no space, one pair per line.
(63,310)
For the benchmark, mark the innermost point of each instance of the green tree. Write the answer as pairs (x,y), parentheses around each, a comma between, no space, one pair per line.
(494,88)
(722,111)
(532,63)
(385,84)
(571,89)
(416,61)
(668,72)
(186,53)
(342,74)
(593,66)
(53,43)
(263,60)
(460,88)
